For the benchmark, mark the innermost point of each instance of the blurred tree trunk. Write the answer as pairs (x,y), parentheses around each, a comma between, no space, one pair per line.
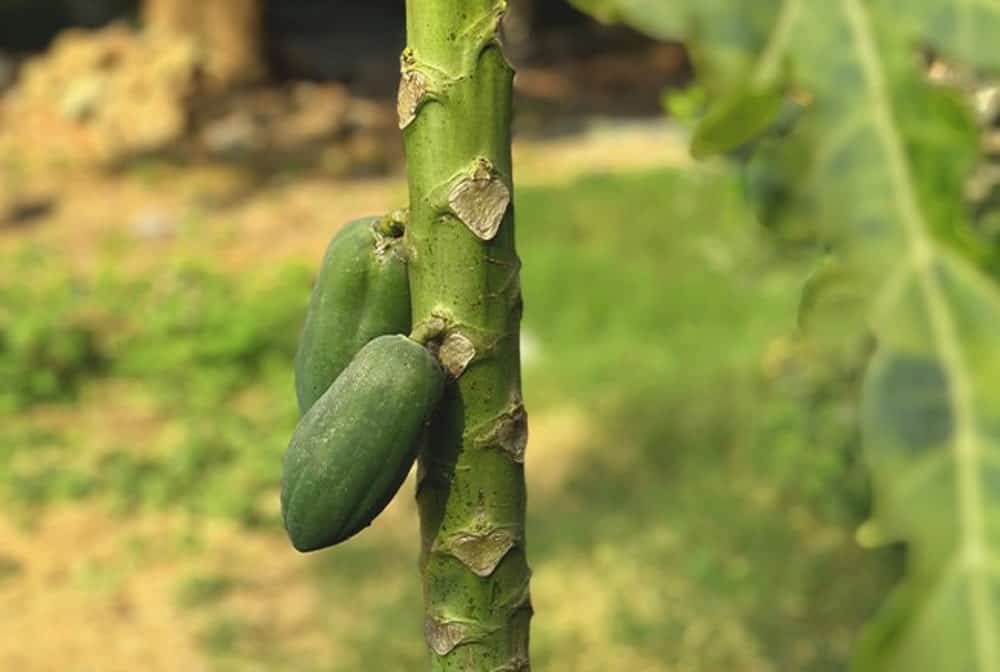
(229,30)
(518,29)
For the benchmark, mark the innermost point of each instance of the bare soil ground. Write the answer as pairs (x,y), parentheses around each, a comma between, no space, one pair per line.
(243,221)
(82,589)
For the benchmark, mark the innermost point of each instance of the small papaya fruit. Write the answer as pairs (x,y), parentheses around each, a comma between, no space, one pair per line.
(362,292)
(351,451)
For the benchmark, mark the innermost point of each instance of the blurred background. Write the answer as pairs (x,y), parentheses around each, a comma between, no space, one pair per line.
(170,173)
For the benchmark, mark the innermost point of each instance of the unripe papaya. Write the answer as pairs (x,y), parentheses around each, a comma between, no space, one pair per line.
(362,292)
(351,451)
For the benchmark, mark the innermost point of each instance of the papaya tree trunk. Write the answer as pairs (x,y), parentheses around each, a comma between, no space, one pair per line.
(455,113)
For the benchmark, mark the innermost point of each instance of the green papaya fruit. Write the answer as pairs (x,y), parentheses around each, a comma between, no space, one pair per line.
(351,451)
(362,292)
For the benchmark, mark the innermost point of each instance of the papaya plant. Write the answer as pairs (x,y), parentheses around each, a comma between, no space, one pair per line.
(374,397)
(842,136)
(844,140)
(455,113)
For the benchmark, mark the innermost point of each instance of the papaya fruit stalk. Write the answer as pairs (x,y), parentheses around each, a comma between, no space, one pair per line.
(455,113)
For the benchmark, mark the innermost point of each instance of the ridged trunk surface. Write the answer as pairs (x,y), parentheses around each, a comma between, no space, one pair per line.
(455,112)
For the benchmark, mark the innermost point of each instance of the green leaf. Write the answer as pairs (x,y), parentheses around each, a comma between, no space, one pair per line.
(603,10)
(686,105)
(963,29)
(889,155)
(656,18)
(833,303)
(736,120)
(722,37)
(875,168)
(932,425)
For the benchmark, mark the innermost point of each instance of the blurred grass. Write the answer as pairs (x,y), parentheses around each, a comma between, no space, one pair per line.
(699,501)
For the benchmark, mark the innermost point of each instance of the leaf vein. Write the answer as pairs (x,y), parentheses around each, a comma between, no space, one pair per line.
(780,38)
(974,542)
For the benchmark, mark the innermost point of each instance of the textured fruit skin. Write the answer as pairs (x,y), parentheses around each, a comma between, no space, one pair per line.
(362,292)
(351,451)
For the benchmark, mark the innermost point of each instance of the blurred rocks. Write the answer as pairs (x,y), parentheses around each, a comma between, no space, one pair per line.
(102,98)
(120,95)
(10,567)
(23,211)
(987,102)
(98,95)
(286,117)
(232,135)
(300,123)
(153,225)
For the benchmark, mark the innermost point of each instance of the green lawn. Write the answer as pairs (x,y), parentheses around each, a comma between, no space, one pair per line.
(700,487)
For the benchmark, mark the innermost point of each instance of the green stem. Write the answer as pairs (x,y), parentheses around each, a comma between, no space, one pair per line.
(455,111)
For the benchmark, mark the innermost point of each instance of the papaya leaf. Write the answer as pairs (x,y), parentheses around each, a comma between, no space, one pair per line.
(722,37)
(833,302)
(660,19)
(685,106)
(887,158)
(875,168)
(602,10)
(964,29)
(932,426)
(737,119)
